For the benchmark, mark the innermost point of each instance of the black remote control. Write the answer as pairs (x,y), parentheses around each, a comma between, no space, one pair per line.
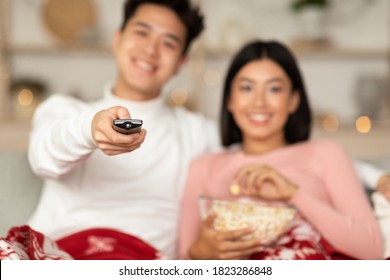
(127,126)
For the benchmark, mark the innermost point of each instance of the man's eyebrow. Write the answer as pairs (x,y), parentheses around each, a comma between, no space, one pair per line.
(168,35)
(173,37)
(143,24)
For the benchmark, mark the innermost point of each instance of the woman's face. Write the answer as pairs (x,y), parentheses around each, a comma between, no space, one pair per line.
(261,100)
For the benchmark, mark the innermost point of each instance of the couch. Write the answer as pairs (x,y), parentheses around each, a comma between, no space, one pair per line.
(20,189)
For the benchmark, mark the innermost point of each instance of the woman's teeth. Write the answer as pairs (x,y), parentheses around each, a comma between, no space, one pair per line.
(259,117)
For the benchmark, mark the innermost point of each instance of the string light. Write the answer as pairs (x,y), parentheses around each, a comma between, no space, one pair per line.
(212,77)
(25,97)
(330,123)
(363,124)
(179,96)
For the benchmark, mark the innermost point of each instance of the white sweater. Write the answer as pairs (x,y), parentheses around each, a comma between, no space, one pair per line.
(137,192)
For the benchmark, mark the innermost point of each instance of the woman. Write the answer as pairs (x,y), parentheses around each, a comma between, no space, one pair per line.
(266,123)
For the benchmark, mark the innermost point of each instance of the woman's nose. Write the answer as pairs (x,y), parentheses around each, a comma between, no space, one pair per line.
(259,98)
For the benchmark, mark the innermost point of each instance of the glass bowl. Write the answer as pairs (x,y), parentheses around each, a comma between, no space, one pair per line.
(270,220)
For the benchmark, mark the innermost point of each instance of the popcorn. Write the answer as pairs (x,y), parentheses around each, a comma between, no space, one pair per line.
(235,189)
(269,221)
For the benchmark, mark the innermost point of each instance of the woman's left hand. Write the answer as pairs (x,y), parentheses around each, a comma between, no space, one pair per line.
(264,182)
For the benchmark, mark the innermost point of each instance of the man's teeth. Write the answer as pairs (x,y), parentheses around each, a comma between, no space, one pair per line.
(146,66)
(259,117)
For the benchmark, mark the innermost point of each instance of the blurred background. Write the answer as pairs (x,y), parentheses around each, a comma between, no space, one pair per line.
(343,48)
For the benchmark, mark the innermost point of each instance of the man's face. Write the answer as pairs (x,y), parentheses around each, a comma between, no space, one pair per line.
(149,51)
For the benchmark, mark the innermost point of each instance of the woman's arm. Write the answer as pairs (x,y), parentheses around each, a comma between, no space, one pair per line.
(348,222)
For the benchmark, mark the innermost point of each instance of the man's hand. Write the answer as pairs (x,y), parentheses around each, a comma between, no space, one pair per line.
(384,186)
(110,141)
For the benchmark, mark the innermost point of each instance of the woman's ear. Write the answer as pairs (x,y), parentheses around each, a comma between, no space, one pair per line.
(229,105)
(295,100)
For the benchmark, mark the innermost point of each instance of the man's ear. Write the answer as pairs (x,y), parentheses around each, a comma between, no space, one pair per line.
(295,100)
(183,61)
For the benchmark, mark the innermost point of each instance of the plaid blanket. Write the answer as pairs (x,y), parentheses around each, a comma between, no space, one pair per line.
(24,243)
(300,242)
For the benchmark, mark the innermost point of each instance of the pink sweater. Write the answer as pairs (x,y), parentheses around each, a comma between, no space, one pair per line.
(330,196)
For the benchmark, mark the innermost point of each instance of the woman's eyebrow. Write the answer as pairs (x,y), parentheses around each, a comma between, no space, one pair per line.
(276,79)
(245,79)
(271,80)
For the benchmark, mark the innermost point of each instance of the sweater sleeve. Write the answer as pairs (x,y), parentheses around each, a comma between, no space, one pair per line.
(60,137)
(191,220)
(348,222)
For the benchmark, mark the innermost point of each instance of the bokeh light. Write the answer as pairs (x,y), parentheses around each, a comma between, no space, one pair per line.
(363,124)
(25,97)
(330,123)
(212,77)
(179,96)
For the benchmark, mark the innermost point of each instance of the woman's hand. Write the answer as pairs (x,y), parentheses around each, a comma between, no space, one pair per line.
(110,141)
(222,245)
(384,186)
(263,181)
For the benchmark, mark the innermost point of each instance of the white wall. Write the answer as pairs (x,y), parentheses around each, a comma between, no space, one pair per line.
(28,25)
(359,26)
(349,23)
(78,73)
(352,24)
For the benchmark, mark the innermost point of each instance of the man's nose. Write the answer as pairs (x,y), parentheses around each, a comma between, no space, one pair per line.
(151,46)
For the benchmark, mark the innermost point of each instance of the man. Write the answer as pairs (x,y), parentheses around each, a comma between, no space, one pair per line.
(373,178)
(73,144)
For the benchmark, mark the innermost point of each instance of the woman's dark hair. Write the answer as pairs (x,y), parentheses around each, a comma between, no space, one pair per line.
(188,14)
(298,124)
